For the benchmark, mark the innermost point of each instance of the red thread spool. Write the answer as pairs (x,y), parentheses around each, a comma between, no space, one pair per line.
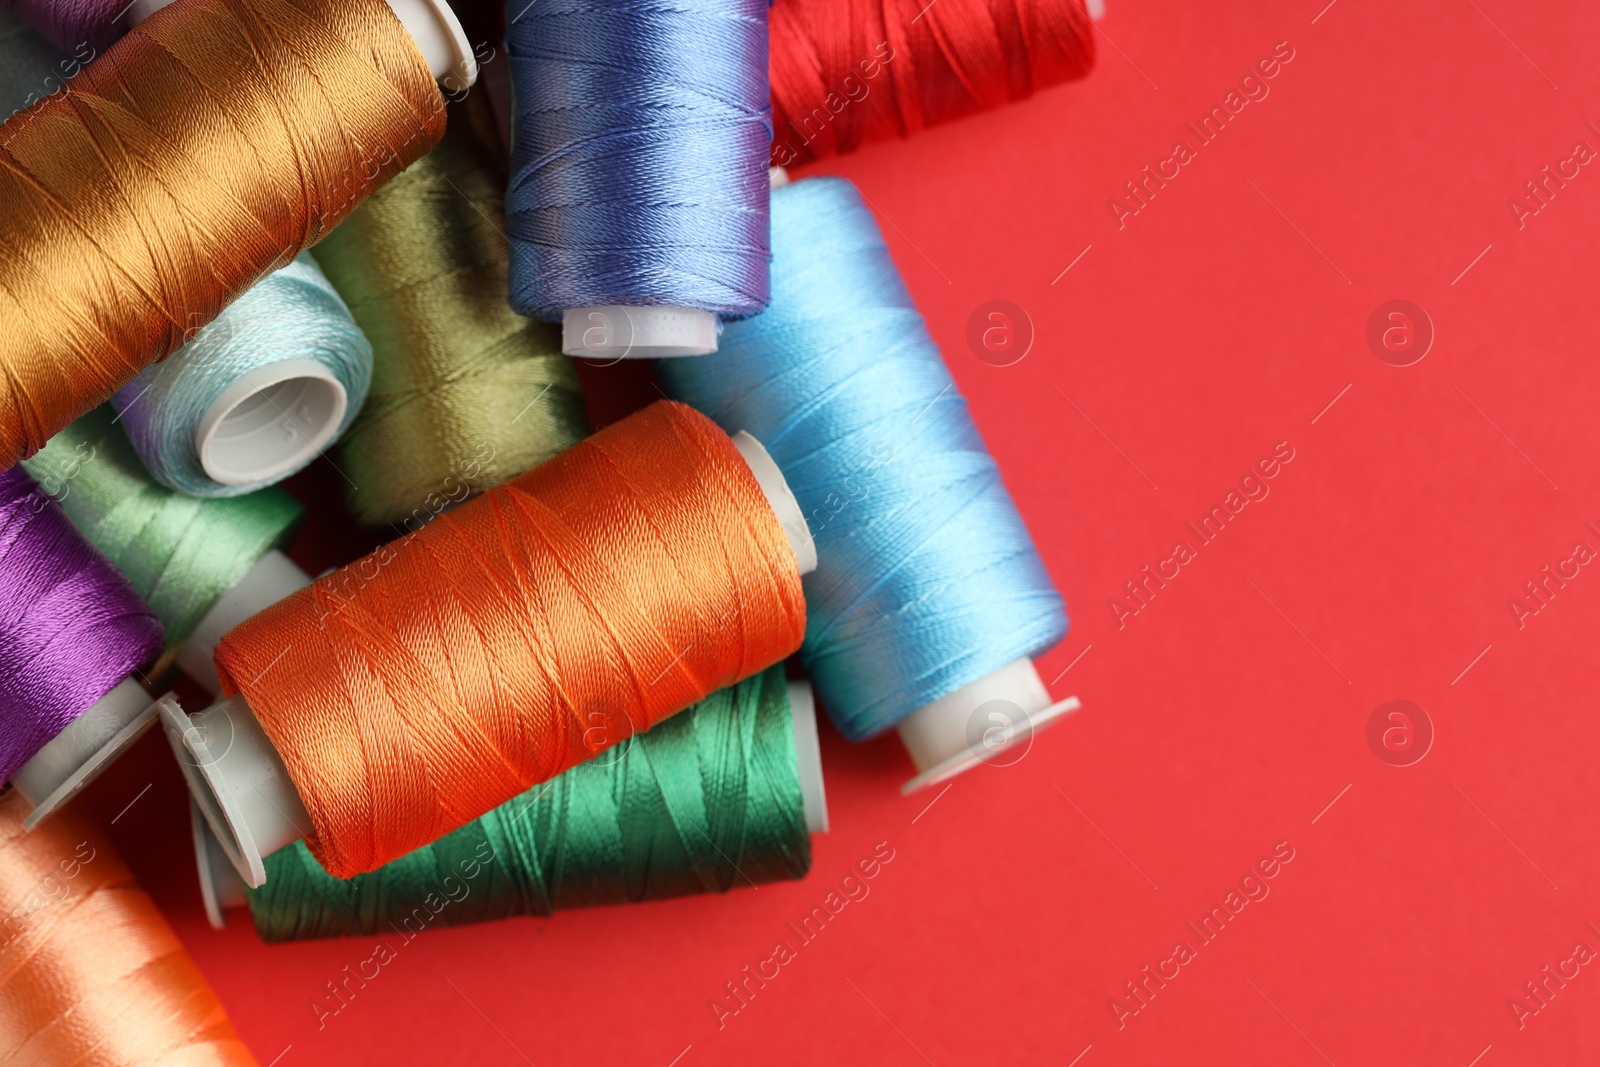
(848,72)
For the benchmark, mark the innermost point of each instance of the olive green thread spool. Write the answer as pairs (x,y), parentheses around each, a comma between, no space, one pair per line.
(465,393)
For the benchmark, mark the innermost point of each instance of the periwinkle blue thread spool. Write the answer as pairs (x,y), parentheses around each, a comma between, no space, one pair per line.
(934,599)
(256,394)
(638,204)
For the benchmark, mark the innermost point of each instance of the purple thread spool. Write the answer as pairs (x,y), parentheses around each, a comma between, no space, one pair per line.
(72,632)
(75,26)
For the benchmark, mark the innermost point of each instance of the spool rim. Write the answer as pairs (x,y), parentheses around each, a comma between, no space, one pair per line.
(246,437)
(209,791)
(98,761)
(967,759)
(204,840)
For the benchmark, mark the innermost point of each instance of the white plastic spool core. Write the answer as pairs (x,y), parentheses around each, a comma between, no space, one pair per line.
(221,888)
(781,499)
(431,24)
(978,722)
(89,744)
(239,782)
(272,578)
(270,422)
(808,755)
(241,786)
(616,332)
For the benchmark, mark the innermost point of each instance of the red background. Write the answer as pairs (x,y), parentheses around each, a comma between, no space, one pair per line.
(1230,712)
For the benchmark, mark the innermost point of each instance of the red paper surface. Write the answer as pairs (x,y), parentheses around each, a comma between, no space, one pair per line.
(1229,714)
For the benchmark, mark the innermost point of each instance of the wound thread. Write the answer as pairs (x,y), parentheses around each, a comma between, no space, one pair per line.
(71,627)
(466,393)
(204,149)
(90,973)
(519,635)
(845,74)
(704,802)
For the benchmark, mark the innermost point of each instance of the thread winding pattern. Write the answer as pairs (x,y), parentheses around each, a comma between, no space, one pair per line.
(90,973)
(180,552)
(71,627)
(704,802)
(519,635)
(932,580)
(849,72)
(466,393)
(203,150)
(639,174)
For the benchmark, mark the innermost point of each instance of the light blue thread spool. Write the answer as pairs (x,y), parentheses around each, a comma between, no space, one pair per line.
(255,395)
(638,203)
(934,598)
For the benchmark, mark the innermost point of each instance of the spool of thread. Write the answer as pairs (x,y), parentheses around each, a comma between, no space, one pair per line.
(73,634)
(934,599)
(201,565)
(257,394)
(90,973)
(200,152)
(507,640)
(637,209)
(466,393)
(725,794)
(847,74)
(30,67)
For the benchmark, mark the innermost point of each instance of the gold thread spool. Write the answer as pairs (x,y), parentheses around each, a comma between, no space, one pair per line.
(206,148)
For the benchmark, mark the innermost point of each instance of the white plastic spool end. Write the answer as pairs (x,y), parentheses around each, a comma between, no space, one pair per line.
(431,24)
(441,40)
(272,578)
(978,722)
(271,422)
(221,888)
(808,755)
(239,781)
(777,177)
(616,332)
(89,744)
(784,505)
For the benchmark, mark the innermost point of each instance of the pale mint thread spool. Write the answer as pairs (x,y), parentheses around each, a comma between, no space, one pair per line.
(257,394)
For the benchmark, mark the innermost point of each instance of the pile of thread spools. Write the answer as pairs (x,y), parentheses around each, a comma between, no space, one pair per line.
(239,238)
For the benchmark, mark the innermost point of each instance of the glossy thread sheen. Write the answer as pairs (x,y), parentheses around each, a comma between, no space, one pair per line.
(466,393)
(293,313)
(639,174)
(932,580)
(519,634)
(71,627)
(180,552)
(849,72)
(204,149)
(90,973)
(704,802)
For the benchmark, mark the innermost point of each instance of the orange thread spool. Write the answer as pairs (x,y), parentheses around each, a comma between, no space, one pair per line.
(205,149)
(90,973)
(508,640)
